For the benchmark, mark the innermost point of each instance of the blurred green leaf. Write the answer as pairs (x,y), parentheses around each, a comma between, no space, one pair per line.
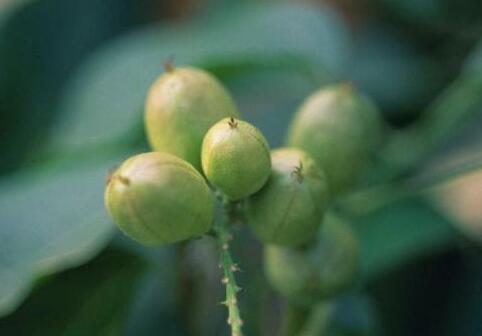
(473,65)
(454,112)
(41,43)
(464,316)
(382,56)
(93,299)
(8,8)
(400,233)
(102,102)
(51,219)
(154,307)
(438,16)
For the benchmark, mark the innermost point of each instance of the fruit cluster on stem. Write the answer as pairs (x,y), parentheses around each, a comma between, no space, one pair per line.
(201,148)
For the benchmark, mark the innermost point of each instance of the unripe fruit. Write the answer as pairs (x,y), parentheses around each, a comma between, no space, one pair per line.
(288,210)
(180,108)
(236,158)
(318,272)
(340,128)
(157,198)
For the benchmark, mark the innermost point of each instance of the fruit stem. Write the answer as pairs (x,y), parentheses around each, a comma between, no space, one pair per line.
(187,287)
(224,237)
(370,199)
(169,64)
(293,320)
(346,87)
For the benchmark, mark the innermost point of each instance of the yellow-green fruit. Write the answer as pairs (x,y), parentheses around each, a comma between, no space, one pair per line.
(288,210)
(340,128)
(318,272)
(236,158)
(157,198)
(180,108)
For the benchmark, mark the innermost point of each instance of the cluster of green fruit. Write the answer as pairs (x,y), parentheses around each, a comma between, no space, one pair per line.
(201,145)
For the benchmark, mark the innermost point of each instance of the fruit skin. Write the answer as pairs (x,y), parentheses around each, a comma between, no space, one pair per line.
(318,272)
(157,198)
(340,128)
(236,158)
(180,108)
(288,210)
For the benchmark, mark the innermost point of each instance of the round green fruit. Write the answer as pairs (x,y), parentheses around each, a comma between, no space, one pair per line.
(340,128)
(236,158)
(180,108)
(288,210)
(317,272)
(157,198)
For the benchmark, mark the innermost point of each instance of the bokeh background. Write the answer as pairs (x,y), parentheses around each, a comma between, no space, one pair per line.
(73,77)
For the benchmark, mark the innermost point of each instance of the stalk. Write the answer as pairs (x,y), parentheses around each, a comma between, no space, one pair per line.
(223,235)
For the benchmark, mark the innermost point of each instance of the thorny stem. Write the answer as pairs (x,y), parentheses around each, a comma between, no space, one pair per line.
(224,237)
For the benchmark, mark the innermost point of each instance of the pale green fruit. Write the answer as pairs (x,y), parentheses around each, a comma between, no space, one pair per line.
(288,210)
(320,271)
(157,198)
(180,108)
(340,128)
(236,158)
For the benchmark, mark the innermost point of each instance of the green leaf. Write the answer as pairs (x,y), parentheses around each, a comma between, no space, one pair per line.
(400,233)
(42,43)
(8,8)
(102,102)
(155,306)
(93,299)
(51,219)
(473,65)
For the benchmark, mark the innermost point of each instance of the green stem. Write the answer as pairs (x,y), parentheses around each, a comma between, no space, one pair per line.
(451,109)
(294,318)
(373,198)
(185,289)
(224,237)
(319,320)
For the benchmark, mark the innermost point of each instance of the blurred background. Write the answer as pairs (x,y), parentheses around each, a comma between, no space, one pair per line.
(73,77)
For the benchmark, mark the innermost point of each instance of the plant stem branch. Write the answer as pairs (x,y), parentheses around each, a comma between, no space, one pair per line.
(376,197)
(294,318)
(223,234)
(451,109)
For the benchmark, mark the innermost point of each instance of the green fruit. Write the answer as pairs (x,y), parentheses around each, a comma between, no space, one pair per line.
(340,128)
(288,210)
(181,107)
(235,158)
(157,198)
(318,272)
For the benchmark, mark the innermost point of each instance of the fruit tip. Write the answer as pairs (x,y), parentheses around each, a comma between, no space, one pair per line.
(232,122)
(168,64)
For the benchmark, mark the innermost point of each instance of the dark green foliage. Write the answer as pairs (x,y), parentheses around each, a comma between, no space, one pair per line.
(71,102)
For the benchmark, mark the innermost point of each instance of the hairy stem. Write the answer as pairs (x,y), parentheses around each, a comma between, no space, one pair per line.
(224,237)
